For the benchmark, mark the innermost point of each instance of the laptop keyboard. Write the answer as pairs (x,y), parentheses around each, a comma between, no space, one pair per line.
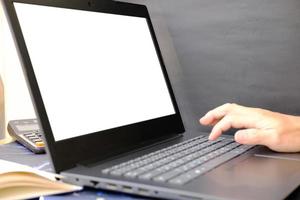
(180,163)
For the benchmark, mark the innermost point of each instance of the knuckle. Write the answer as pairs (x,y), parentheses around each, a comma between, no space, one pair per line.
(263,113)
(233,105)
(229,107)
(226,123)
(228,119)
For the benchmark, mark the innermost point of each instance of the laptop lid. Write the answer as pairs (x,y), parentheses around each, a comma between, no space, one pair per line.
(96,76)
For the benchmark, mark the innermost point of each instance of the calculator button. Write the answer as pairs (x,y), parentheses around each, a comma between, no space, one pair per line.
(28,134)
(33,137)
(40,144)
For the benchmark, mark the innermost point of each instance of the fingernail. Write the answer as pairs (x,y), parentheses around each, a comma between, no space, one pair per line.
(240,137)
(202,119)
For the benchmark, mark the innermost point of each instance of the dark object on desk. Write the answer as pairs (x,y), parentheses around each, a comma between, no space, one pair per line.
(157,159)
(28,133)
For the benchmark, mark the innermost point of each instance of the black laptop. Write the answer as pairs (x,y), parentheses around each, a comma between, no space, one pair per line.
(102,94)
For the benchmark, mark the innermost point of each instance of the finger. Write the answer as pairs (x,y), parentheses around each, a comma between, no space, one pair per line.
(232,121)
(214,123)
(252,136)
(213,116)
(210,120)
(220,127)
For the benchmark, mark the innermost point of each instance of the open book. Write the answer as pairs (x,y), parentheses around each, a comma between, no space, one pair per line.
(22,182)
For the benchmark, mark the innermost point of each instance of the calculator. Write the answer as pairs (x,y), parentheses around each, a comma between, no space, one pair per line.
(27,132)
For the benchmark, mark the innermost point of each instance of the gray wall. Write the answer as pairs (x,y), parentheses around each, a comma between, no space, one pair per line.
(240,51)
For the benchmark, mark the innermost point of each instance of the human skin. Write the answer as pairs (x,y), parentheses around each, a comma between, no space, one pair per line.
(279,132)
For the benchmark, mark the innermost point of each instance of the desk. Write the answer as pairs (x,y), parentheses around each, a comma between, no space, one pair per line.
(17,153)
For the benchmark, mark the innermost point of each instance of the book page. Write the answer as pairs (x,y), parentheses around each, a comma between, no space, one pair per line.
(7,167)
(21,182)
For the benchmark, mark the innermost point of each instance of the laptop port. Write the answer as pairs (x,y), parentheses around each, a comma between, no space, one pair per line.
(127,188)
(143,191)
(94,183)
(111,186)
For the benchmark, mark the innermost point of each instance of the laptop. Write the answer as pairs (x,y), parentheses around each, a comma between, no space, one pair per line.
(103,97)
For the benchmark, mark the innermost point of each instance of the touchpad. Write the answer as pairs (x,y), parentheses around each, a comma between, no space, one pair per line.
(265,152)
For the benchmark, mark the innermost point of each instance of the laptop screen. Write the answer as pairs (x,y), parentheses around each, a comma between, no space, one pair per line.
(95,71)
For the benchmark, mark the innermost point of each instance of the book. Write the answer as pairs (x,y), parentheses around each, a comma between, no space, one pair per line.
(22,182)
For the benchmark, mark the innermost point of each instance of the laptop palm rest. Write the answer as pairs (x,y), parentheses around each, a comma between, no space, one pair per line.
(265,152)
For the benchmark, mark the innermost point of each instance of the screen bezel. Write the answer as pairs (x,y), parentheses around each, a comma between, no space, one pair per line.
(100,145)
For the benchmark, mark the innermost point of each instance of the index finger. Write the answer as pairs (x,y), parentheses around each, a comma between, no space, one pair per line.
(215,115)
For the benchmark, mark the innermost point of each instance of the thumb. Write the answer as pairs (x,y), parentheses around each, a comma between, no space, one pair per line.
(252,136)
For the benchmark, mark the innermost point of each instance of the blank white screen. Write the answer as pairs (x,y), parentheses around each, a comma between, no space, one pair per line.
(95,71)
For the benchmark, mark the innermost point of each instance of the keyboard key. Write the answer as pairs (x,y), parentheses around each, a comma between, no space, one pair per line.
(186,177)
(106,171)
(163,160)
(180,163)
(166,176)
(190,175)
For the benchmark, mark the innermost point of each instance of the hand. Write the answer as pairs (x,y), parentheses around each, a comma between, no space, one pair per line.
(277,131)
